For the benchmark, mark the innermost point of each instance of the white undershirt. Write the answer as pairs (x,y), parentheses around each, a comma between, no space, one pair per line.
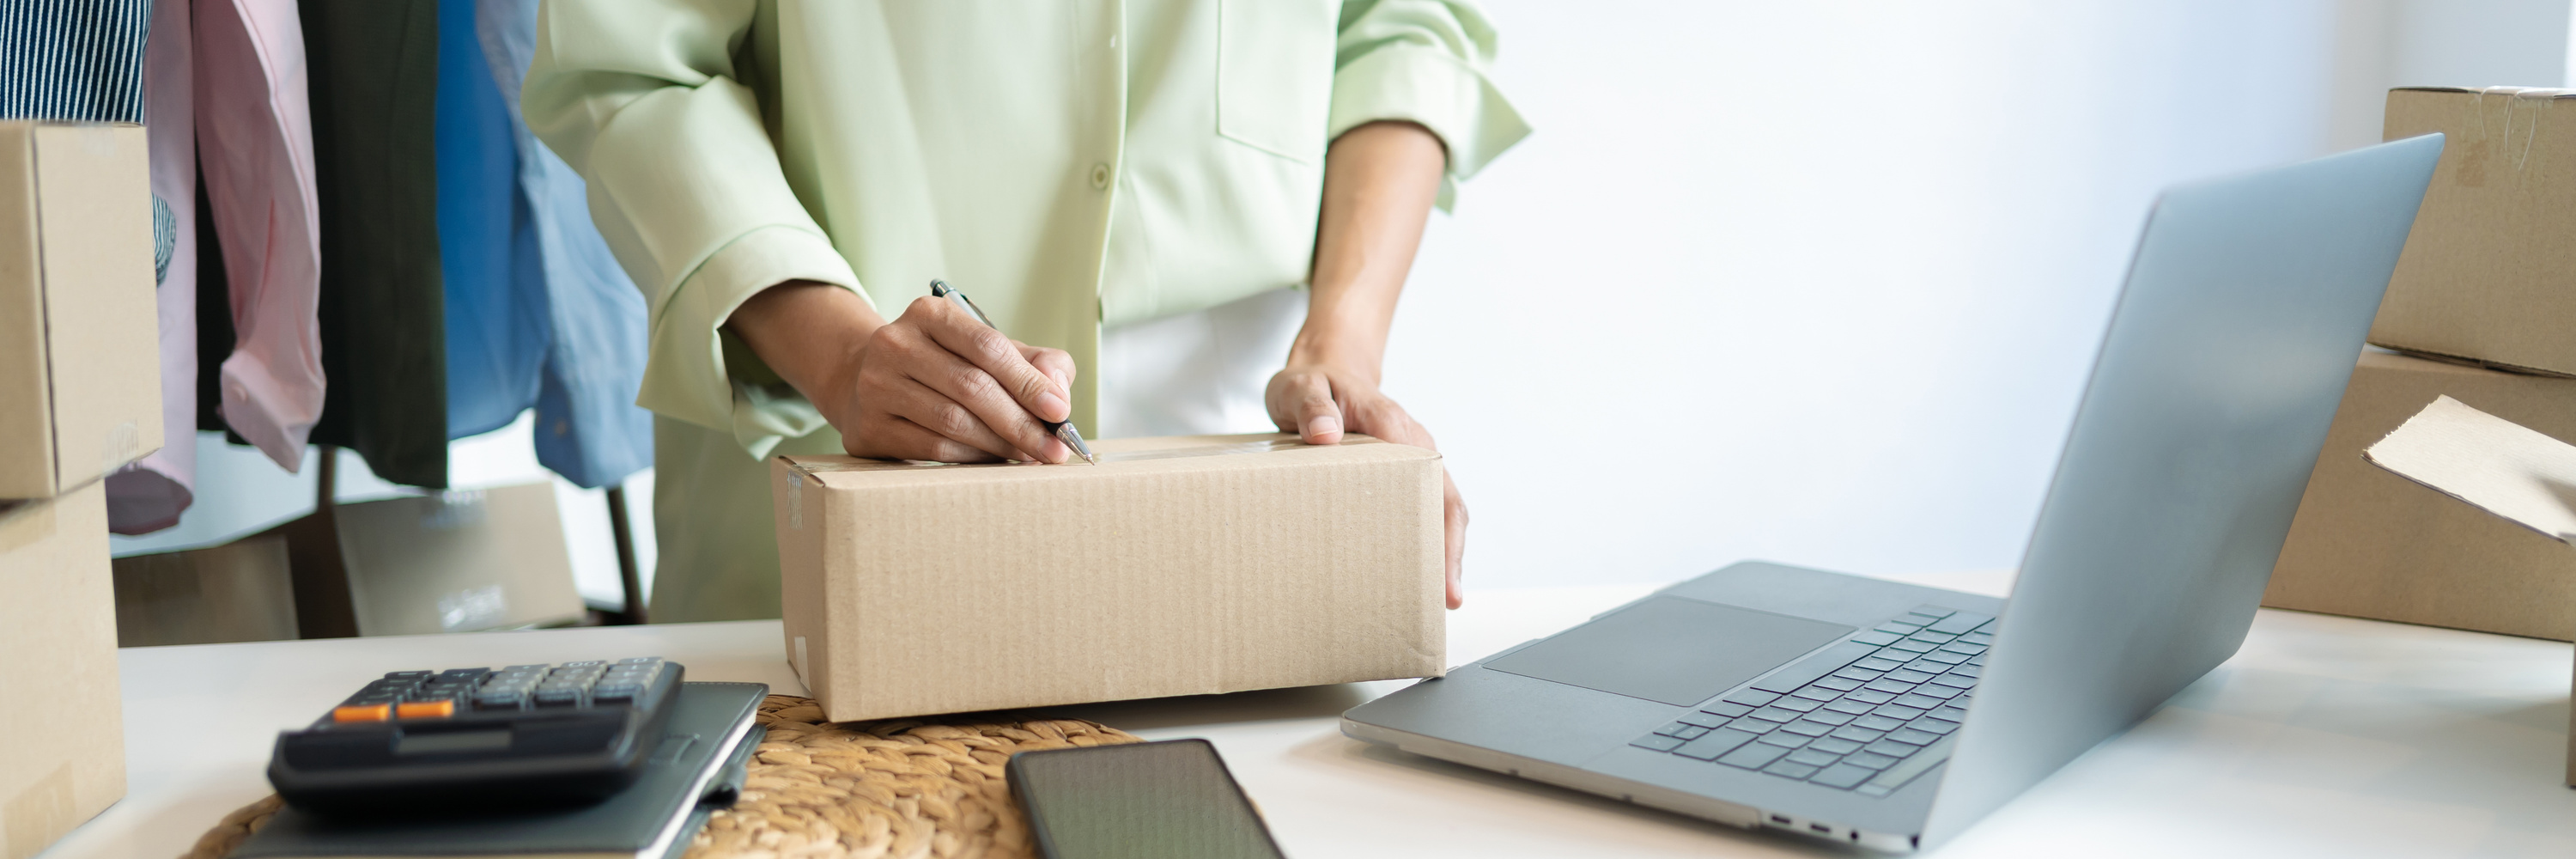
(1196,373)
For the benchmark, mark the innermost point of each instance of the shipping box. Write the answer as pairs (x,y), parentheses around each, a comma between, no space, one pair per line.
(1178,566)
(2366,544)
(2489,273)
(237,591)
(62,725)
(80,361)
(2513,472)
(458,561)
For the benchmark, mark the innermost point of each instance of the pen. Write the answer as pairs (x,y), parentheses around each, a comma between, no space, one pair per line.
(1063,430)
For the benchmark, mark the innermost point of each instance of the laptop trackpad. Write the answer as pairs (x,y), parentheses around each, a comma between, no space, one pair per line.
(1671,649)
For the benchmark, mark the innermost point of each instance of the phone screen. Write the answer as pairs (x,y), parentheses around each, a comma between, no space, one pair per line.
(1137,801)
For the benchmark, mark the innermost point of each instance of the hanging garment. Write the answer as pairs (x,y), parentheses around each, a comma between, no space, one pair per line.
(255,147)
(73,59)
(374,90)
(588,427)
(149,495)
(496,326)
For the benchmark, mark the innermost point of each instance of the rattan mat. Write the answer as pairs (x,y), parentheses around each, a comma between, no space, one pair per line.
(903,789)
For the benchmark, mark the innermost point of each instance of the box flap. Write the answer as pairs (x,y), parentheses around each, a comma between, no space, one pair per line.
(2493,464)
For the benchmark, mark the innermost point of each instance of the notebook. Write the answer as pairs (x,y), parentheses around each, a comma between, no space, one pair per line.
(697,770)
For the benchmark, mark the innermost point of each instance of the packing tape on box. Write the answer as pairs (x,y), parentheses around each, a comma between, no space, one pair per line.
(1263,446)
(798,470)
(2514,97)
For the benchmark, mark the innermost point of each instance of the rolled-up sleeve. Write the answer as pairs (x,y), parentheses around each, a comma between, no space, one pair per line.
(1424,61)
(642,97)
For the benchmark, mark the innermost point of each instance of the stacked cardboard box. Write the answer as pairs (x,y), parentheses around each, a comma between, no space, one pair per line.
(2485,299)
(80,396)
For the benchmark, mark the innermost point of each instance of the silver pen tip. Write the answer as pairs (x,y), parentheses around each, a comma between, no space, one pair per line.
(1072,438)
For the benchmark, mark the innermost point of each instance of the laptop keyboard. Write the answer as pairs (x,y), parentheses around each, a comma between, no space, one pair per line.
(1866,715)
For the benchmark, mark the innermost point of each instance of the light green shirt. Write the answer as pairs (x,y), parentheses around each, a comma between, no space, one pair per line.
(1066,162)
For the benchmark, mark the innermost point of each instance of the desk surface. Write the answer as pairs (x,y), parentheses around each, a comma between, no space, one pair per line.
(2324,736)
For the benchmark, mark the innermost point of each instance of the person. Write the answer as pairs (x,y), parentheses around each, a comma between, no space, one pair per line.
(1141,194)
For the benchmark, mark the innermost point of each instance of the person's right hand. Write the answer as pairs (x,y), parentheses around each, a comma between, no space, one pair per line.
(934,384)
(937,385)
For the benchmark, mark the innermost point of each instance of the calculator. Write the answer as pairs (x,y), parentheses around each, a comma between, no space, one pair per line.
(521,737)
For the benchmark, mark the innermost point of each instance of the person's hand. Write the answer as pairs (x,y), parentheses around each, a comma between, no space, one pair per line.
(937,385)
(1319,401)
(933,385)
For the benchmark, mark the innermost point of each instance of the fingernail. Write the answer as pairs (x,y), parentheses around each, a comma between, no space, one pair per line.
(1326,425)
(1052,407)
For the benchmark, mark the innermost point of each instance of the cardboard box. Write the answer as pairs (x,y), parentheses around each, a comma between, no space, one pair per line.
(239,591)
(2489,273)
(80,359)
(2518,475)
(459,561)
(2366,544)
(62,725)
(1178,566)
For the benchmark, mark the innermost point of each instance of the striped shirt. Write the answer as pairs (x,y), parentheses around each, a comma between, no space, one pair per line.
(73,59)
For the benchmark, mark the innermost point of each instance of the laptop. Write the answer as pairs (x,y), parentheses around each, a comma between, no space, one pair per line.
(1889,716)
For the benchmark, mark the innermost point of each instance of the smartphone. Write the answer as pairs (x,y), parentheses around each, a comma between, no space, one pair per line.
(1137,801)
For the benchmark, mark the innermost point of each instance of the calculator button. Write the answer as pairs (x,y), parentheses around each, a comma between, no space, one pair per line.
(361,712)
(558,697)
(620,693)
(439,709)
(639,660)
(584,663)
(406,675)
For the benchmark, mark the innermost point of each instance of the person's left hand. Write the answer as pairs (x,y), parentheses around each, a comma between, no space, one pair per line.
(1319,401)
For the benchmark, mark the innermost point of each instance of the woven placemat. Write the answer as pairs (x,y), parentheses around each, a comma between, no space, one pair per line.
(901,789)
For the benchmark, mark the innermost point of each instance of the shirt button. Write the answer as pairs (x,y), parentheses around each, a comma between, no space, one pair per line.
(1100,176)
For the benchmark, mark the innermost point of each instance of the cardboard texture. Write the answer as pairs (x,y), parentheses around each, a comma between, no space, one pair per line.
(2517,474)
(80,371)
(62,727)
(460,561)
(2366,545)
(239,591)
(1178,566)
(2489,273)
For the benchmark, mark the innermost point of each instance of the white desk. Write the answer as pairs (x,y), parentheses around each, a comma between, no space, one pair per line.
(2324,737)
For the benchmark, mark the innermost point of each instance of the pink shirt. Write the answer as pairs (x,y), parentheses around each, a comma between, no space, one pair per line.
(151,494)
(255,144)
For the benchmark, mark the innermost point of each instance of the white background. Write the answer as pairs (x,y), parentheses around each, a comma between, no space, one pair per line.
(1814,282)
(1819,282)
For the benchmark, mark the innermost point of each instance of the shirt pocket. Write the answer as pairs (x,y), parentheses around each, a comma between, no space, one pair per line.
(1274,74)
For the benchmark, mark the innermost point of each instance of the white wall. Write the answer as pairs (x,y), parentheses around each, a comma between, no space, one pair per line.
(1819,282)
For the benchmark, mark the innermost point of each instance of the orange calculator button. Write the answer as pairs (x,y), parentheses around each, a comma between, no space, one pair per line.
(438,709)
(362,713)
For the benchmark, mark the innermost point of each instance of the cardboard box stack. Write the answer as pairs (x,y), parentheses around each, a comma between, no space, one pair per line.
(80,396)
(1178,566)
(2485,299)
